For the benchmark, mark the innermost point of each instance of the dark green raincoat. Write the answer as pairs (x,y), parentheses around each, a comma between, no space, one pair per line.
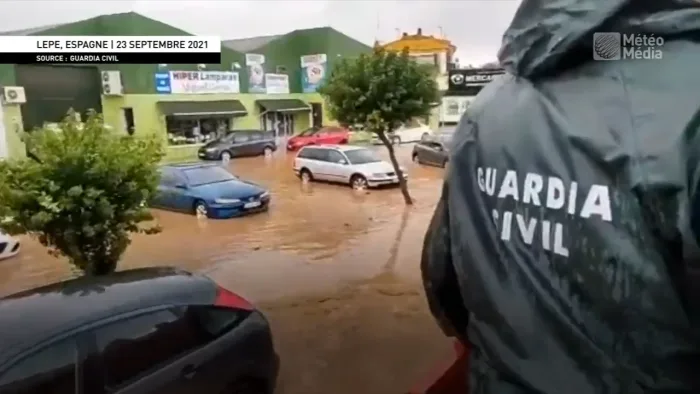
(565,245)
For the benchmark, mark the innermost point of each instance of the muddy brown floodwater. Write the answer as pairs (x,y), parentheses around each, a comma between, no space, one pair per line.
(335,270)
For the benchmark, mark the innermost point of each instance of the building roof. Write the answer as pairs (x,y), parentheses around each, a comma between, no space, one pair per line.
(31,30)
(250,43)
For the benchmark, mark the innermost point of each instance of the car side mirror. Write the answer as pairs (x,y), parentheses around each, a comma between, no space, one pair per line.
(342,161)
(181,186)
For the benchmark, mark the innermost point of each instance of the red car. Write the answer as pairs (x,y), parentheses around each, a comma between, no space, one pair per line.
(332,135)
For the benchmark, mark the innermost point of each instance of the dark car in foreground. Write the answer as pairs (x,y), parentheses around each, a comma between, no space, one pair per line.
(208,190)
(239,143)
(432,149)
(144,331)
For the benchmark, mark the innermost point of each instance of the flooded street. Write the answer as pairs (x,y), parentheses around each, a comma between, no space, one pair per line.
(335,270)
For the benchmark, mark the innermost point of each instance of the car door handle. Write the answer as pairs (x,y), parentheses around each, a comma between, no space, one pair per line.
(188,371)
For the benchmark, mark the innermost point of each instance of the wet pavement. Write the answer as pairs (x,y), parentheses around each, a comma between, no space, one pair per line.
(335,270)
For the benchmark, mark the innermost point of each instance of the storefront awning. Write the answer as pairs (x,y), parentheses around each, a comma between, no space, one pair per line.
(199,109)
(284,105)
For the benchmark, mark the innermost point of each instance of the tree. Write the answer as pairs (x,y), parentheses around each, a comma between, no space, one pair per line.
(81,192)
(381,91)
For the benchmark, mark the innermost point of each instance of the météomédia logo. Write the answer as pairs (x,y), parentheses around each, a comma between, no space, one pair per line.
(617,46)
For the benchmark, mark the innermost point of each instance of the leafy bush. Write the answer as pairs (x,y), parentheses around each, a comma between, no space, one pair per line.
(381,91)
(81,192)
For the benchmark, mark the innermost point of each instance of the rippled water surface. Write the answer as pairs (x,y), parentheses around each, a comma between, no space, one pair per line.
(312,233)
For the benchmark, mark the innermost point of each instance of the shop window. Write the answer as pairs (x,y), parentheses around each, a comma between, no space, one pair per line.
(186,131)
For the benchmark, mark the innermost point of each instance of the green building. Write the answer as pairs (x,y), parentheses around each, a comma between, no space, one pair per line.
(277,93)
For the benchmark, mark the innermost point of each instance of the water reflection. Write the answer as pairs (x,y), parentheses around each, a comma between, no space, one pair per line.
(313,235)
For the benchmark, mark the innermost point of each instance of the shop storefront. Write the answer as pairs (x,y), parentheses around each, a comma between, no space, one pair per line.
(198,122)
(462,86)
(282,115)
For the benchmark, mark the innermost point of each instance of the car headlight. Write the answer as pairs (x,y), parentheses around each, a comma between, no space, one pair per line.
(210,149)
(265,195)
(227,200)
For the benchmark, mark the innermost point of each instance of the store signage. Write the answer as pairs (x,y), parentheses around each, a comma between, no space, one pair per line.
(277,83)
(254,58)
(255,63)
(470,78)
(313,72)
(198,82)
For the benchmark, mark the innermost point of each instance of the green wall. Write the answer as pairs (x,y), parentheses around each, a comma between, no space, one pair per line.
(287,51)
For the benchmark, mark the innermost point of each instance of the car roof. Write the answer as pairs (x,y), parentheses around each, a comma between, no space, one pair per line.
(37,315)
(342,148)
(189,166)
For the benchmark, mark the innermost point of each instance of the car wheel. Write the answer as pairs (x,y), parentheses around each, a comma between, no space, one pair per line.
(395,140)
(200,209)
(225,156)
(267,151)
(415,158)
(305,175)
(424,136)
(358,182)
(247,386)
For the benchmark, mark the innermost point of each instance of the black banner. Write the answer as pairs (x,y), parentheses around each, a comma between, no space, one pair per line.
(470,81)
(110,58)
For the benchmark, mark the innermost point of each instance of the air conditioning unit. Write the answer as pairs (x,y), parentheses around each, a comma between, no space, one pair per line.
(13,95)
(112,83)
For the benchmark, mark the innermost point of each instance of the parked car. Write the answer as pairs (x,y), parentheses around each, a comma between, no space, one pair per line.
(8,246)
(238,144)
(144,331)
(354,165)
(208,190)
(411,132)
(319,136)
(432,150)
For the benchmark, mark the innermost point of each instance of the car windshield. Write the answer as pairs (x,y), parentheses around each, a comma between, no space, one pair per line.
(361,156)
(308,132)
(206,175)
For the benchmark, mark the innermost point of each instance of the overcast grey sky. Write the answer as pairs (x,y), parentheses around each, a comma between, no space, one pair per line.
(474,26)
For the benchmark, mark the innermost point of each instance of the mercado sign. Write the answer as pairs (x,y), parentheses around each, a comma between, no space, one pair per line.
(470,80)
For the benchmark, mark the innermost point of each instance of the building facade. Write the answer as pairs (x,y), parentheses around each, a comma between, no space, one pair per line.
(185,105)
(462,86)
(430,50)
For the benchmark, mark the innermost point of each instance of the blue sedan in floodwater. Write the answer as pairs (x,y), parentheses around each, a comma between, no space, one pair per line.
(208,190)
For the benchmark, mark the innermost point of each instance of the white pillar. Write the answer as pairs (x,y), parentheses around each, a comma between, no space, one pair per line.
(4,152)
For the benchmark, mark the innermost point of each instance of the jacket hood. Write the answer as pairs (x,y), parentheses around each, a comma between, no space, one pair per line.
(548,36)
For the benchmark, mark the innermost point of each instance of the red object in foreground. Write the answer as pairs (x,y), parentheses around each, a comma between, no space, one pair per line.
(450,377)
(229,299)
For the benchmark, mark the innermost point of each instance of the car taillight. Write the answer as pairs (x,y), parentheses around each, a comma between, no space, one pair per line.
(228,299)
